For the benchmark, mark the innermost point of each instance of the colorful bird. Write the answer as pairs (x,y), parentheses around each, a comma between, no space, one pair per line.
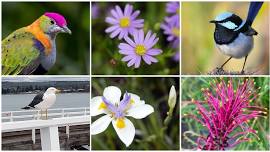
(32,49)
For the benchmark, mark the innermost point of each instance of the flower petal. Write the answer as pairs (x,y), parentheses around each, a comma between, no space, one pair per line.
(129,41)
(137,62)
(146,60)
(116,32)
(140,112)
(113,94)
(148,35)
(100,125)
(119,11)
(154,52)
(127,131)
(95,106)
(134,15)
(141,36)
(152,59)
(125,46)
(131,62)
(126,10)
(127,58)
(111,20)
(112,28)
(126,52)
(114,14)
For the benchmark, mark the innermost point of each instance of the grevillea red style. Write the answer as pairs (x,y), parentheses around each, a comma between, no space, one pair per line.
(227,108)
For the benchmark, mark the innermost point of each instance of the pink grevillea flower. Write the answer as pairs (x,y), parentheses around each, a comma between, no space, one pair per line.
(140,48)
(225,110)
(123,22)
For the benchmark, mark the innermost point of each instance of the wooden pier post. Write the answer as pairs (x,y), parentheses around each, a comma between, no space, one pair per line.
(50,138)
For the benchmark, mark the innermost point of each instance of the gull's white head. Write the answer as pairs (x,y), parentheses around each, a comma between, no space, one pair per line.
(52,90)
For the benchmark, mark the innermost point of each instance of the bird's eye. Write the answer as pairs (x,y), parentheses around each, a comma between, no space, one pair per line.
(52,22)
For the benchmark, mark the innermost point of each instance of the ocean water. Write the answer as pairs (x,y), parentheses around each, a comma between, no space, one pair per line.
(14,102)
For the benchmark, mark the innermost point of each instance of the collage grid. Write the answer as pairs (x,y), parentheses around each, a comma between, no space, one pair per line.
(128,79)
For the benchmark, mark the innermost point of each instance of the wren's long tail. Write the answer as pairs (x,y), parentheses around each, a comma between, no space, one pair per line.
(253,10)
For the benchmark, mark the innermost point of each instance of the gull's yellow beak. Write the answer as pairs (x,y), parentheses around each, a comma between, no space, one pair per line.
(57,91)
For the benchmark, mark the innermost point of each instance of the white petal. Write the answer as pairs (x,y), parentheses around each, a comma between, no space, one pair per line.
(127,133)
(100,125)
(95,106)
(112,94)
(141,111)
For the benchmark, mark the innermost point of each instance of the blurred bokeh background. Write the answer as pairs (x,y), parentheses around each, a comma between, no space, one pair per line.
(105,56)
(151,133)
(72,50)
(199,54)
(190,128)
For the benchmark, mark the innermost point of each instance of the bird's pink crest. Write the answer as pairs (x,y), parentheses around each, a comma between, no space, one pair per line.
(58,18)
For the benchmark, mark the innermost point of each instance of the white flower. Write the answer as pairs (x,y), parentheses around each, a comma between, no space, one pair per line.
(116,112)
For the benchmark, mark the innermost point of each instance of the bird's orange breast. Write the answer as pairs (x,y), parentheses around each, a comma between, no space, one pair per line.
(35,29)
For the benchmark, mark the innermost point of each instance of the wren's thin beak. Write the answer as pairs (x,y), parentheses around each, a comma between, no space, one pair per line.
(65,29)
(212,21)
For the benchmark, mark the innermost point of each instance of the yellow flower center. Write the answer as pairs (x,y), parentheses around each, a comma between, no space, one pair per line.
(132,101)
(124,22)
(120,123)
(102,106)
(140,49)
(176,31)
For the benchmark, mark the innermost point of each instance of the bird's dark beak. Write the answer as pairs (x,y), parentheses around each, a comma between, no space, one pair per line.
(65,29)
(212,21)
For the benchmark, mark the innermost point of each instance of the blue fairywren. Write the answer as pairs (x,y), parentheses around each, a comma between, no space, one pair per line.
(233,36)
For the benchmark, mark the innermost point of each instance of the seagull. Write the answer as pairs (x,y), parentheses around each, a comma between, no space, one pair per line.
(43,100)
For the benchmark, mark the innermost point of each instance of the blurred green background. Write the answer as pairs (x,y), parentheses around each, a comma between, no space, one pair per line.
(72,50)
(105,56)
(150,131)
(199,54)
(191,88)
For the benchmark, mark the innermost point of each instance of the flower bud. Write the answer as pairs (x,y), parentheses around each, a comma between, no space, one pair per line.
(172,98)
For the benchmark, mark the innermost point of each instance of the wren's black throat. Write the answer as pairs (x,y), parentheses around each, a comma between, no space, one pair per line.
(223,35)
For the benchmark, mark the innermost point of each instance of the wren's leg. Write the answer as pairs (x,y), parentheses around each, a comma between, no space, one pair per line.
(242,71)
(225,63)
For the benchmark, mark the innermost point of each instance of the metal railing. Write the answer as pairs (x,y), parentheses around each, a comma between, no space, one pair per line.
(23,115)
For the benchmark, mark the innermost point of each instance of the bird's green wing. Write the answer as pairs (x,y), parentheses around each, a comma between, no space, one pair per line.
(18,52)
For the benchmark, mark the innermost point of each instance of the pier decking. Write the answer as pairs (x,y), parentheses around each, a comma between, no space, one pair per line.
(63,130)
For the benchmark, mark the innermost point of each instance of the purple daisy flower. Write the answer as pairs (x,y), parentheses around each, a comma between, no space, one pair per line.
(140,48)
(174,9)
(172,29)
(123,22)
(95,11)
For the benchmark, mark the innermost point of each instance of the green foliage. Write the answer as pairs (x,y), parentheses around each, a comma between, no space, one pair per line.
(72,50)
(191,88)
(152,133)
(105,56)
